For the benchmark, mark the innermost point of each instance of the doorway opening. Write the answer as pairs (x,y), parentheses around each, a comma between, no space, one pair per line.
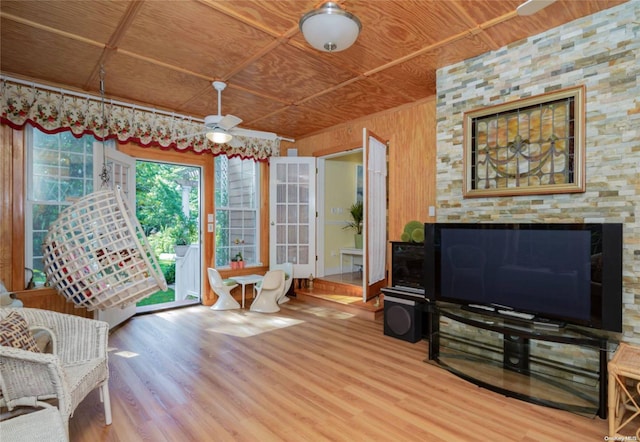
(168,206)
(341,181)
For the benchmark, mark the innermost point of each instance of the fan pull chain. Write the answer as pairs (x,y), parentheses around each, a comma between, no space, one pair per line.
(105,173)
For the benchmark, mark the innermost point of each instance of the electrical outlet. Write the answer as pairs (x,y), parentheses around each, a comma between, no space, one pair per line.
(210,227)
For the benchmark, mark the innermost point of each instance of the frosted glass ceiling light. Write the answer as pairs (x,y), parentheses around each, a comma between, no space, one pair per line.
(219,136)
(330,28)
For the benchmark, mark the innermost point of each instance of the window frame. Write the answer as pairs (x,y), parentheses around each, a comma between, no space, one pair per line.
(30,202)
(256,201)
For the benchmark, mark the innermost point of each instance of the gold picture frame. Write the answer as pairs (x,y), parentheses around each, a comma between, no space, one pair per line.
(529,146)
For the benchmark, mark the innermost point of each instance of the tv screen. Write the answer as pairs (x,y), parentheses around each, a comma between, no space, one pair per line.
(564,272)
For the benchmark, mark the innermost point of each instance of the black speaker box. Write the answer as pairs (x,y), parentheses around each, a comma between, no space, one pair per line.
(403,319)
(516,353)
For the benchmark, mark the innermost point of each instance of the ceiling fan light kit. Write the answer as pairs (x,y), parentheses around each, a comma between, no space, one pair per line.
(330,28)
(219,136)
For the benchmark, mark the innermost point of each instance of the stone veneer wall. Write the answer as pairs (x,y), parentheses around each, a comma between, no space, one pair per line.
(602,52)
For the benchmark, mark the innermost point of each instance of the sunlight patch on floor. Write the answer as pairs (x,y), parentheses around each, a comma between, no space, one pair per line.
(322,312)
(244,324)
(126,354)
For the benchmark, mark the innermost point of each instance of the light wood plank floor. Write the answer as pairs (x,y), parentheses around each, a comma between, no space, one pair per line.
(304,374)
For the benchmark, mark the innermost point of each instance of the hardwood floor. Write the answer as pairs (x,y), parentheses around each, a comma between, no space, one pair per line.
(306,373)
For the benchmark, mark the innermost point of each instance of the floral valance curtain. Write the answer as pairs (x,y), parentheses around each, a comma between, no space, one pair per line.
(56,111)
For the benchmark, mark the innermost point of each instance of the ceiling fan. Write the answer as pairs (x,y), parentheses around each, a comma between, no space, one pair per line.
(530,7)
(221,129)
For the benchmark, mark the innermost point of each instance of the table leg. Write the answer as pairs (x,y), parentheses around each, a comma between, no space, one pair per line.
(243,286)
(612,403)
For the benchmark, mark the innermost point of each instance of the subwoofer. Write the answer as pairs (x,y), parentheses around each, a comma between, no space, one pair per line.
(403,319)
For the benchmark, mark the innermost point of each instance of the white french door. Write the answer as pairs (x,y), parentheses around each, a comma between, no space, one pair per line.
(292,213)
(121,170)
(374,242)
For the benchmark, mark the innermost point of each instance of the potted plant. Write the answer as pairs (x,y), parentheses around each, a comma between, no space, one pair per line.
(181,247)
(185,232)
(357,216)
(239,260)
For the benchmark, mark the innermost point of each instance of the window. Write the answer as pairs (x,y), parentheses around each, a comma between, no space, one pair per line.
(237,220)
(59,171)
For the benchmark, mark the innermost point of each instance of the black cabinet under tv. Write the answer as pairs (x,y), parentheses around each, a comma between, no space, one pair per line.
(563,368)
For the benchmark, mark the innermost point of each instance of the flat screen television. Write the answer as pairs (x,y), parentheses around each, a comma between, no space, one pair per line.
(562,273)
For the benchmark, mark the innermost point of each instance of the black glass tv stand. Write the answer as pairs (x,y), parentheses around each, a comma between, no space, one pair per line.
(559,367)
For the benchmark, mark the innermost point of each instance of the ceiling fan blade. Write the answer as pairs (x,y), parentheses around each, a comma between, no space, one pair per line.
(254,133)
(229,121)
(212,120)
(530,7)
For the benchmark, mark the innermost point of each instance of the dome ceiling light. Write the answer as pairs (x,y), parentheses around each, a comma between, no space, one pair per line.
(330,28)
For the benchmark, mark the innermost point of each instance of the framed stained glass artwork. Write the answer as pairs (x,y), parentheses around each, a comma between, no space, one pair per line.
(529,146)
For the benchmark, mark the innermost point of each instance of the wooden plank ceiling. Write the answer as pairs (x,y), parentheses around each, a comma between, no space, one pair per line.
(165,54)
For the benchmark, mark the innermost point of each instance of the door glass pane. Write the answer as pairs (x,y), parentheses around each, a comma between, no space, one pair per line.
(304,194)
(281,197)
(303,254)
(281,173)
(292,254)
(292,173)
(304,173)
(292,236)
(292,194)
(303,212)
(292,216)
(304,234)
(281,214)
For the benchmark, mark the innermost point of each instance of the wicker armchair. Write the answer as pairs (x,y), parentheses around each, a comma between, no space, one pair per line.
(77,365)
(44,425)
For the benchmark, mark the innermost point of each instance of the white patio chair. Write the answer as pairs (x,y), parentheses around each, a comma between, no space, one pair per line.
(222,288)
(287,267)
(269,292)
(288,279)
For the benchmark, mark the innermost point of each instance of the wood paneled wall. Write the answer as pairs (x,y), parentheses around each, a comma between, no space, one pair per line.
(12,271)
(411,133)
